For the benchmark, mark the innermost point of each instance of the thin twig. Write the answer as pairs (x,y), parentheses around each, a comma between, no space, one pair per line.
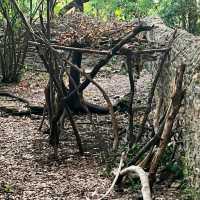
(116,177)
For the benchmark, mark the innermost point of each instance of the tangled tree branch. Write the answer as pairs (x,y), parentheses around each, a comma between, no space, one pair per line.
(153,87)
(177,98)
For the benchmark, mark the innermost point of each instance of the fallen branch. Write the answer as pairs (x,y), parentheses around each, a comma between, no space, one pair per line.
(72,4)
(177,98)
(7,94)
(146,192)
(32,109)
(153,87)
(35,110)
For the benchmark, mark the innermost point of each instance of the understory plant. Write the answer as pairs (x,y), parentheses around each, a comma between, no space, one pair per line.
(13,44)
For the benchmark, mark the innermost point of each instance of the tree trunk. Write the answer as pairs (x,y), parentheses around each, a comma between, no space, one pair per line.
(185,50)
(74,81)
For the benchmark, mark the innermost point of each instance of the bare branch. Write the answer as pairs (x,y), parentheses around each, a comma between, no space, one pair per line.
(146,192)
(116,177)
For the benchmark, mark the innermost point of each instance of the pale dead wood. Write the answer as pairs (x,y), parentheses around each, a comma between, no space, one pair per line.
(146,192)
(116,177)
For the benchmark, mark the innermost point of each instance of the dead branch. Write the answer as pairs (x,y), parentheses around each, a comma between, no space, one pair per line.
(145,162)
(7,94)
(72,4)
(130,65)
(177,98)
(123,50)
(148,145)
(43,118)
(116,177)
(109,103)
(82,50)
(146,192)
(144,149)
(36,110)
(151,93)
(32,109)
(75,129)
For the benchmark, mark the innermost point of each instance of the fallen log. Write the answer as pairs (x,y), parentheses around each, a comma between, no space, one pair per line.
(185,50)
(31,109)
(35,110)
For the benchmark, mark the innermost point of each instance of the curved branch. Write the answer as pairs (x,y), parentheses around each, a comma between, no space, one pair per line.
(136,30)
(109,103)
(7,94)
(146,192)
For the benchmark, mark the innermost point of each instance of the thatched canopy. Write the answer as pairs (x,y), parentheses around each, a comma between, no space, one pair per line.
(79,29)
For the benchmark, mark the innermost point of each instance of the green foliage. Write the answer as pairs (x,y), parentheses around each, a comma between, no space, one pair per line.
(174,167)
(7,188)
(120,9)
(13,44)
(134,149)
(188,192)
(176,13)
(134,184)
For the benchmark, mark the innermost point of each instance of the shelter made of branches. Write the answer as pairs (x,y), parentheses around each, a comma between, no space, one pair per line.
(68,38)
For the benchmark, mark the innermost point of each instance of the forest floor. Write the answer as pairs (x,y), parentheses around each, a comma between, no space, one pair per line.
(26,170)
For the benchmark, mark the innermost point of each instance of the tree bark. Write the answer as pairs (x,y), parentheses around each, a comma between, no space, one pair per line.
(74,81)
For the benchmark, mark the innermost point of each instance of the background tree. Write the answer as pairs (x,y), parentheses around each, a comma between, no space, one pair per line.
(175,13)
(13,44)
(181,13)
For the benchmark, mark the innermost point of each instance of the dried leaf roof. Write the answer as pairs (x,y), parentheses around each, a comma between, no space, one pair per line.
(78,28)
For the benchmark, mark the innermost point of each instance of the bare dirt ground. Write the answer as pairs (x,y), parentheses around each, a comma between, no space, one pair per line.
(26,170)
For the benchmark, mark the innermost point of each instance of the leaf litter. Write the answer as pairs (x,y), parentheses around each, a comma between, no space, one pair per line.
(26,169)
